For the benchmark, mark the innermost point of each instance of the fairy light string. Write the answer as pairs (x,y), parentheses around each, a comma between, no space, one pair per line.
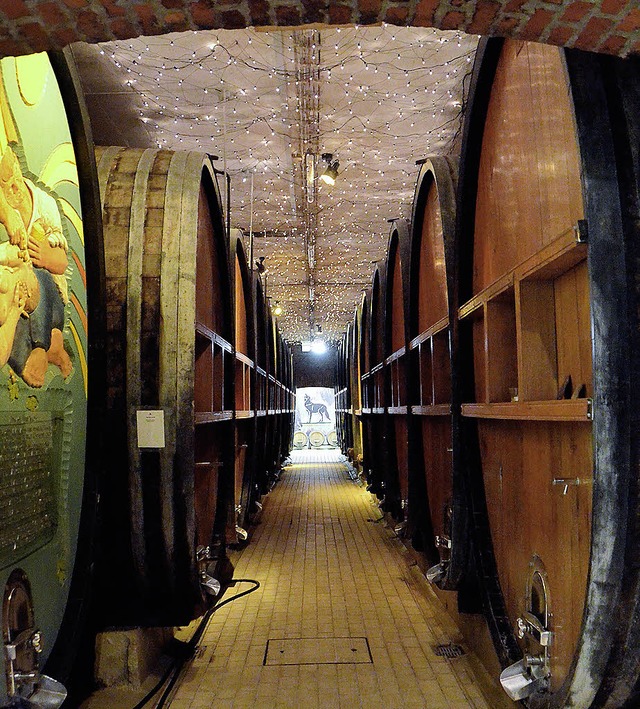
(377,98)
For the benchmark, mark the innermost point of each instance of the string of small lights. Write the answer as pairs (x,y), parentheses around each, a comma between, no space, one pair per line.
(375,98)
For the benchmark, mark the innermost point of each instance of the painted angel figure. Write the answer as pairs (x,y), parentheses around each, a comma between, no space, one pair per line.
(32,220)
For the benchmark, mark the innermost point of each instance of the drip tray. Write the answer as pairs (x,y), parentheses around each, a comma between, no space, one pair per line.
(318,651)
(449,650)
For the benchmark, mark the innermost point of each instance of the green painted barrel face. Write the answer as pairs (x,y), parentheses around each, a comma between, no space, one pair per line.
(43,341)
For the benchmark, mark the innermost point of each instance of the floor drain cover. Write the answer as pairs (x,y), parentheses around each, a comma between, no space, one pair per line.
(317,651)
(450,650)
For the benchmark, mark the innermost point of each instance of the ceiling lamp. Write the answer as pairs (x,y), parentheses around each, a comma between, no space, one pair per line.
(330,174)
(260,267)
(318,347)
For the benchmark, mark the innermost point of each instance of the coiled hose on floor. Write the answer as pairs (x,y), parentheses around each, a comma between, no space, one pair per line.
(186,650)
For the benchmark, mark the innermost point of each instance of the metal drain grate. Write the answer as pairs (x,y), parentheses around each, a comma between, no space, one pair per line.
(448,650)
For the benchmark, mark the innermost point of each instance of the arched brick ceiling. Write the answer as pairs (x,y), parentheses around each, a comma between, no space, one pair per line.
(610,26)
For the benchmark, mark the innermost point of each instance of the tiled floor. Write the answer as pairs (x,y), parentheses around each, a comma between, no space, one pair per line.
(328,570)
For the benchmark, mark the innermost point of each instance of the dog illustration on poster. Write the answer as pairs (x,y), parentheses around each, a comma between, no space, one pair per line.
(315,408)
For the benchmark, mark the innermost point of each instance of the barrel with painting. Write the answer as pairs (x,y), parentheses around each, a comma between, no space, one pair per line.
(546,338)
(52,376)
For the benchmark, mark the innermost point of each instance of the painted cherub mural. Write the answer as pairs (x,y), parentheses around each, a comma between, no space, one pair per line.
(32,277)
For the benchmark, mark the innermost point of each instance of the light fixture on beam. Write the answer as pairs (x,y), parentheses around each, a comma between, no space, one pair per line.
(331,173)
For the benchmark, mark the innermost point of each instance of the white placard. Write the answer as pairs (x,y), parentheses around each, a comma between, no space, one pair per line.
(150,428)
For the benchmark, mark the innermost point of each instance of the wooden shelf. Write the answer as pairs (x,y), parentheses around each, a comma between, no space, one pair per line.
(562,410)
(212,416)
(558,257)
(244,359)
(204,333)
(495,290)
(433,410)
(396,355)
(434,329)
(530,330)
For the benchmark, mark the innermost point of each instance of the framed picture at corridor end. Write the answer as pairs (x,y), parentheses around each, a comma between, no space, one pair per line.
(150,425)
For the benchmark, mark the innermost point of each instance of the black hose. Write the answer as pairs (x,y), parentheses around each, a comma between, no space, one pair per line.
(188,649)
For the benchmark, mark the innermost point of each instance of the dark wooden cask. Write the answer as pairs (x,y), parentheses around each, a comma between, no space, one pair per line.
(544,334)
(264,456)
(244,492)
(380,481)
(443,524)
(396,369)
(170,369)
(354,386)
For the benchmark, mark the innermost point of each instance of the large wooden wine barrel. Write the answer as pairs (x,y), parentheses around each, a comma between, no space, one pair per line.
(263,457)
(170,366)
(438,499)
(547,339)
(244,493)
(396,367)
(348,353)
(340,390)
(343,392)
(354,384)
(286,396)
(273,444)
(380,483)
(52,379)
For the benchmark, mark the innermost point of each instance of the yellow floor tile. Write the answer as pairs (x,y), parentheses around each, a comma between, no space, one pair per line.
(328,569)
